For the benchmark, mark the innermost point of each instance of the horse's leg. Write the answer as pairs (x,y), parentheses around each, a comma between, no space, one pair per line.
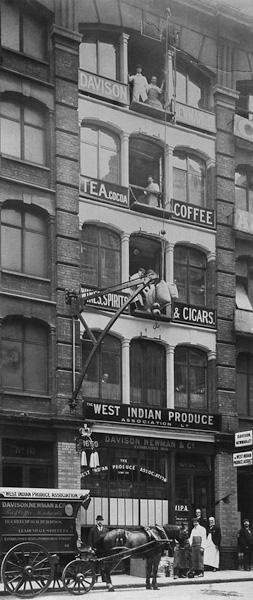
(155,564)
(148,572)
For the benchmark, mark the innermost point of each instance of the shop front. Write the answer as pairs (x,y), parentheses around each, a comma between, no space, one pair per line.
(150,476)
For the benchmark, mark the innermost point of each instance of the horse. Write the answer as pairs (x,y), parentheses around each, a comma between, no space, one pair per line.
(149,543)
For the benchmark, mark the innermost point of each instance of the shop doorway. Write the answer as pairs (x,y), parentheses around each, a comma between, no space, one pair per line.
(245,493)
(193,487)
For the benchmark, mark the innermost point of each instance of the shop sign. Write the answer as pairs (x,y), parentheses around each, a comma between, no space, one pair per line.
(158,444)
(104,88)
(243,459)
(104,191)
(190,213)
(153,417)
(194,315)
(181,508)
(124,469)
(243,438)
(111,301)
(200,119)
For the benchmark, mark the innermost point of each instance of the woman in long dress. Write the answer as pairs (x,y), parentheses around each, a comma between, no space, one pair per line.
(212,549)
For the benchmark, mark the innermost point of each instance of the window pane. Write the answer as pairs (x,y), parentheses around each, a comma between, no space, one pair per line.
(10,109)
(136,373)
(35,254)
(250,201)
(11,253)
(197,258)
(181,281)
(33,117)
(89,161)
(196,189)
(90,233)
(107,60)
(197,387)
(196,287)
(179,185)
(33,37)
(181,385)
(110,267)
(9,25)
(242,393)
(106,140)
(89,265)
(241,179)
(11,367)
(35,368)
(34,145)
(241,198)
(89,135)
(12,216)
(108,166)
(181,87)
(109,239)
(110,371)
(193,94)
(10,138)
(35,222)
(88,56)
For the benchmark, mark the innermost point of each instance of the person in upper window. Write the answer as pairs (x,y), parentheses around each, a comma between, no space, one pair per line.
(154,91)
(152,192)
(140,85)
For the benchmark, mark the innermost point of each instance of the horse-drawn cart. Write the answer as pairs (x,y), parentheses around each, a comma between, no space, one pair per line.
(38,541)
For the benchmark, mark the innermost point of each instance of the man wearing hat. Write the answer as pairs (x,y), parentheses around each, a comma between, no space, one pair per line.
(245,543)
(140,85)
(95,540)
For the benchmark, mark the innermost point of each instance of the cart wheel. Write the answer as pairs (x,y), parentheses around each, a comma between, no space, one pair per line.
(27,570)
(79,576)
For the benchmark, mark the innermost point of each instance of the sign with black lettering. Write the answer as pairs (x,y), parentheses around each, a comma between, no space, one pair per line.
(243,459)
(104,191)
(244,438)
(111,301)
(182,211)
(95,85)
(194,315)
(154,417)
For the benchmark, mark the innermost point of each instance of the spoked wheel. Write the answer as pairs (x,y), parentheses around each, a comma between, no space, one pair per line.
(27,570)
(79,576)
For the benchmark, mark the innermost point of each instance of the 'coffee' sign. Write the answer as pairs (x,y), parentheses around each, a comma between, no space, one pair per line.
(182,211)
(194,315)
(104,191)
(104,88)
(138,415)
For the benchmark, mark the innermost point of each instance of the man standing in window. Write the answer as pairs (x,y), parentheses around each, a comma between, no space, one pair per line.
(140,85)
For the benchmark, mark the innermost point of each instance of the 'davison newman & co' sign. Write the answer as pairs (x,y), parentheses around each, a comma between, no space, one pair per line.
(104,88)
(104,191)
(161,417)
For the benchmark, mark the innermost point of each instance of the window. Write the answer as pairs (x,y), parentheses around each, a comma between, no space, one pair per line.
(22,31)
(103,377)
(190,275)
(100,256)
(244,188)
(244,104)
(190,379)
(22,131)
(24,356)
(189,179)
(192,86)
(100,154)
(98,54)
(27,463)
(244,283)
(145,252)
(244,384)
(145,161)
(24,242)
(147,373)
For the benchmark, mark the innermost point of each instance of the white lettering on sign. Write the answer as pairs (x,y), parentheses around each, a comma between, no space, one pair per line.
(107,192)
(195,117)
(108,301)
(193,315)
(181,508)
(242,459)
(193,214)
(243,438)
(106,88)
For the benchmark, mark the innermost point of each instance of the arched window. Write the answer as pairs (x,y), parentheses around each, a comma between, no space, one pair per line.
(100,154)
(98,54)
(244,188)
(24,356)
(24,241)
(189,178)
(190,378)
(147,373)
(190,275)
(23,29)
(23,130)
(103,378)
(244,384)
(100,256)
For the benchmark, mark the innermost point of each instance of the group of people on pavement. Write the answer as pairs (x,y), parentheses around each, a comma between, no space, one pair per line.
(199,550)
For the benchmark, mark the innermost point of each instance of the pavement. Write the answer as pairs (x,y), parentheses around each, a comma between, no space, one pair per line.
(122,581)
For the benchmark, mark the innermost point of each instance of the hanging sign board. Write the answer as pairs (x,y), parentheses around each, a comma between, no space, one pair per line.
(244,438)
(243,459)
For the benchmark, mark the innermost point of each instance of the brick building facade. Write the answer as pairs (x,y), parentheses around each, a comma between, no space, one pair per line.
(77,149)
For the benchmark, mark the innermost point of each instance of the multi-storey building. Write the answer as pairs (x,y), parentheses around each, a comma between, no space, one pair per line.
(77,211)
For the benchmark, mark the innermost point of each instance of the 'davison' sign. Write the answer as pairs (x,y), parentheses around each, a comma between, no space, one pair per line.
(105,88)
